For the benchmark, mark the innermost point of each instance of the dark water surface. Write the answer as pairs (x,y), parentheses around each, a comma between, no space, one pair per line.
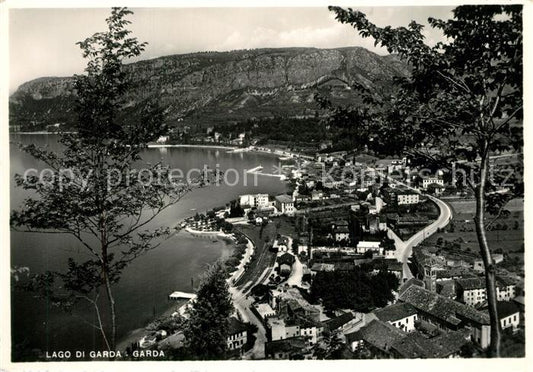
(146,283)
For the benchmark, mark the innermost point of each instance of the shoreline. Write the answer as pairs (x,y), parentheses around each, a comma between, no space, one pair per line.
(136,334)
(161,146)
(236,149)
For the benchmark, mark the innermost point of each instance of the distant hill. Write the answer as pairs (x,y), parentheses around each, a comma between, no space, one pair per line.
(203,88)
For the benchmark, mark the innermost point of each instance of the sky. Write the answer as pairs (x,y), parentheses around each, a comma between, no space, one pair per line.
(42,41)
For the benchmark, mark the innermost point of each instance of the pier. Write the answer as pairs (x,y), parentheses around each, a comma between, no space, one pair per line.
(178,295)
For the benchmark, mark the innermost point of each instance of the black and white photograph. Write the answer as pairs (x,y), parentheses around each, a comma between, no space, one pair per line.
(270,182)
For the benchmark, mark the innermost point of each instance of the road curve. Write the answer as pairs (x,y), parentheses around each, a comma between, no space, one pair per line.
(404,249)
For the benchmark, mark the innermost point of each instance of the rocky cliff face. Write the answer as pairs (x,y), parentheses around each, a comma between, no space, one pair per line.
(225,86)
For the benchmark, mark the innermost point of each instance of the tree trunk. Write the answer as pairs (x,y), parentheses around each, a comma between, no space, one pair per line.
(111,299)
(490,275)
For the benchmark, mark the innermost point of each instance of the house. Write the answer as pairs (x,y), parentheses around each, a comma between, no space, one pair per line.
(341,233)
(237,334)
(338,322)
(289,301)
(285,204)
(309,328)
(319,266)
(479,266)
(410,282)
(281,244)
(447,288)
(416,346)
(317,195)
(401,315)
(447,314)
(376,337)
(407,197)
(509,315)
(254,200)
(264,311)
(285,262)
(435,189)
(426,181)
(505,290)
(290,348)
(278,330)
(473,291)
(390,252)
(163,139)
(364,246)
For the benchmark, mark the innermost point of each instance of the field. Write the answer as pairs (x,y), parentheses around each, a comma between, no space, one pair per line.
(505,235)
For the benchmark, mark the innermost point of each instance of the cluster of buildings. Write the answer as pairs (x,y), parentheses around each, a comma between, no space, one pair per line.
(293,325)
(266,205)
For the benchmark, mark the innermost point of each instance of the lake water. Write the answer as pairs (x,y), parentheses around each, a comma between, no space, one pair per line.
(146,283)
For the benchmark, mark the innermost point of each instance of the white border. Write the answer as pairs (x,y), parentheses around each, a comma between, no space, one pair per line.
(506,365)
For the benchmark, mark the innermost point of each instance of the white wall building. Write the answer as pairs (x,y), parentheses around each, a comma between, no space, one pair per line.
(254,200)
(400,315)
(408,198)
(285,204)
(364,246)
(426,181)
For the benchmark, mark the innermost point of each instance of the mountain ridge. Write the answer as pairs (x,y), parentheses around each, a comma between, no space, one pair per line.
(222,86)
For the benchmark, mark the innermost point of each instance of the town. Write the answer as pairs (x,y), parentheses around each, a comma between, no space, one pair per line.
(361,253)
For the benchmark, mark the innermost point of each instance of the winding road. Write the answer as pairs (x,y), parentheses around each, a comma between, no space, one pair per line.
(404,249)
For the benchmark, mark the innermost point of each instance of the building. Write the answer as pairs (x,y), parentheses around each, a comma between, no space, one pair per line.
(473,291)
(285,204)
(365,246)
(447,314)
(407,198)
(237,334)
(509,315)
(376,337)
(264,311)
(401,315)
(281,244)
(254,200)
(285,262)
(339,322)
(479,266)
(277,329)
(341,233)
(416,346)
(426,181)
(290,348)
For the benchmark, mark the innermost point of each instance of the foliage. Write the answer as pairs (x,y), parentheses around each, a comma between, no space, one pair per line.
(461,106)
(357,289)
(93,190)
(331,347)
(207,327)
(236,210)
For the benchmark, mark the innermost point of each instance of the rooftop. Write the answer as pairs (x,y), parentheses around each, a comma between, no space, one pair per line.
(286,258)
(441,307)
(415,345)
(338,322)
(395,312)
(409,283)
(506,308)
(236,326)
(378,334)
(471,283)
(292,344)
(284,198)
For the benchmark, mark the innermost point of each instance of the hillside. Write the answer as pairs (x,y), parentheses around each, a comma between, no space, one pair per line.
(203,88)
